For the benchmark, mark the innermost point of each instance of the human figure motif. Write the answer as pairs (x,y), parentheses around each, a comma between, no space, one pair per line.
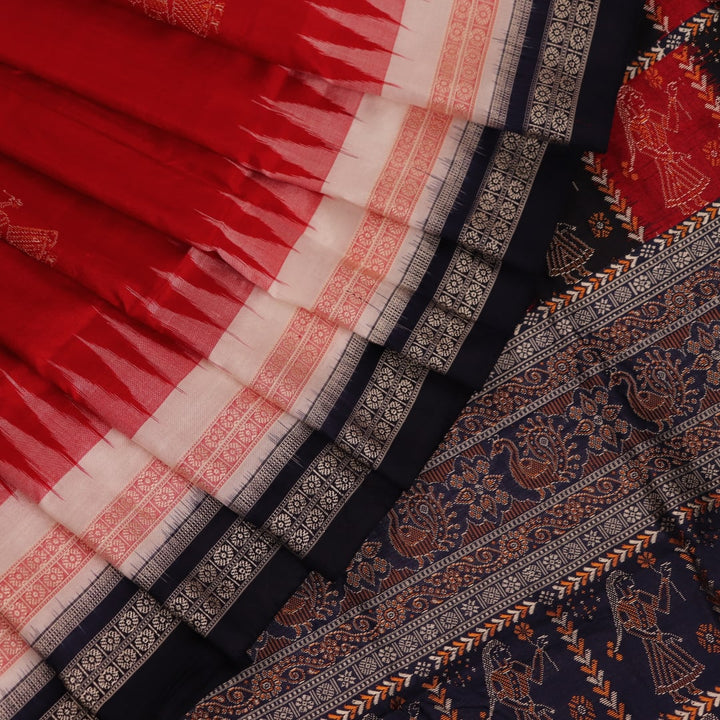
(647,132)
(635,611)
(508,681)
(36,242)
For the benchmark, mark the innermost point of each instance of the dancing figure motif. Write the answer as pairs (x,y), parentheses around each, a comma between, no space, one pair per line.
(509,681)
(635,611)
(648,131)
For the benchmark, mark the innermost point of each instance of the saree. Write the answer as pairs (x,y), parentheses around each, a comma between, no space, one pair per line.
(527,66)
(558,555)
(244,297)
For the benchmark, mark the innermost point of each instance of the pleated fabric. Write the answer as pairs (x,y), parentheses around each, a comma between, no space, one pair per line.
(558,555)
(254,261)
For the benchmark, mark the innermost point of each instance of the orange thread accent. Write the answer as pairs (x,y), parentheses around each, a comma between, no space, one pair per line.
(135,513)
(38,576)
(462,57)
(382,231)
(12,646)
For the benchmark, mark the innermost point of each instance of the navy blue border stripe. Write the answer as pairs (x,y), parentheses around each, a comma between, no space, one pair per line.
(437,406)
(189,558)
(42,701)
(352,525)
(458,216)
(465,201)
(527,66)
(184,668)
(523,272)
(241,624)
(82,635)
(286,479)
(617,33)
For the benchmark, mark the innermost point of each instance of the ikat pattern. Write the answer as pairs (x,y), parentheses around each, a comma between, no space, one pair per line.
(563,56)
(246,490)
(226,570)
(311,505)
(122,646)
(610,431)
(483,242)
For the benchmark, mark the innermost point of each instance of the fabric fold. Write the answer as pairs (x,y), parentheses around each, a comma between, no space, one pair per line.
(246,287)
(365,267)
(496,62)
(109,638)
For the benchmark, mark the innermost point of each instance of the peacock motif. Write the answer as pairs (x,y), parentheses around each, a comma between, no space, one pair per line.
(541,457)
(659,389)
(313,602)
(201,17)
(36,242)
(420,525)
